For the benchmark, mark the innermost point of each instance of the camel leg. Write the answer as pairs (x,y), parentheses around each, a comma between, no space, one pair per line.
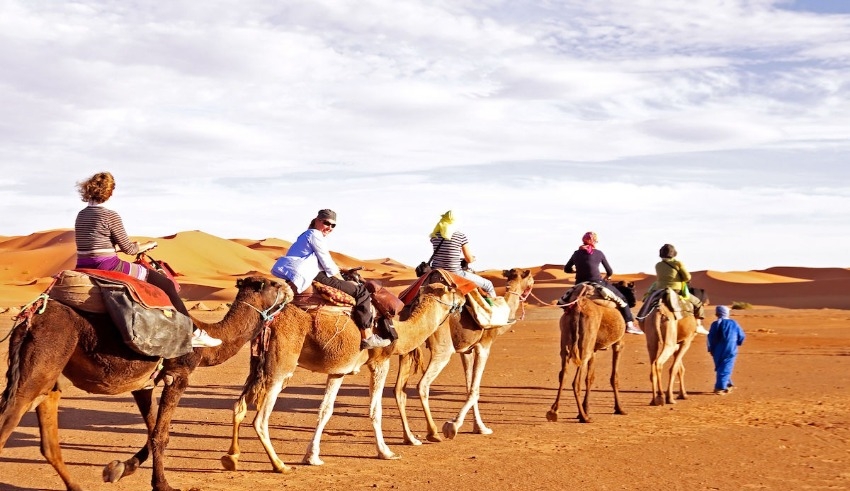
(265,407)
(379,370)
(667,347)
(477,423)
(230,461)
(117,470)
(169,399)
(325,411)
(589,379)
(38,388)
(617,349)
(552,414)
(405,366)
(581,372)
(48,426)
(678,371)
(441,354)
(474,364)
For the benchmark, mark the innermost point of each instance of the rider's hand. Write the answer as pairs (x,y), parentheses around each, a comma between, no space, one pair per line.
(146,246)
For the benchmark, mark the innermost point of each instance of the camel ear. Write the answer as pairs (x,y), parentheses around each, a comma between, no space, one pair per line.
(526,273)
(239,283)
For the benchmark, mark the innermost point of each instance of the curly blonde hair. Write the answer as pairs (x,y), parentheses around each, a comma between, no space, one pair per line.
(97,188)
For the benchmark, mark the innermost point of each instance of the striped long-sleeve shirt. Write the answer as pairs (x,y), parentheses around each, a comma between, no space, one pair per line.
(450,253)
(98,230)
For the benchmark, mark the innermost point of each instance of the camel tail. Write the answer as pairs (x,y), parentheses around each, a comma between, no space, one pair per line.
(576,332)
(254,390)
(13,372)
(417,361)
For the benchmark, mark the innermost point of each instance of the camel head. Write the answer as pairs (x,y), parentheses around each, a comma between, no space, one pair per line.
(628,291)
(262,292)
(522,277)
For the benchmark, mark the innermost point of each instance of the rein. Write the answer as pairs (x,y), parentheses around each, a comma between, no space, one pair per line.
(270,313)
(522,298)
(454,306)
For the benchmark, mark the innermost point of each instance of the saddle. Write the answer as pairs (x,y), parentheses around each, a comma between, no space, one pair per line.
(678,305)
(143,314)
(487,314)
(596,292)
(80,289)
(320,297)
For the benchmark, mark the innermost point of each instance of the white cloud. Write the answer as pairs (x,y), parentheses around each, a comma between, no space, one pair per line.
(535,120)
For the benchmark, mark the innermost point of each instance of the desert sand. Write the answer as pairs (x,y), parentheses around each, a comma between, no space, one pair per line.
(786,426)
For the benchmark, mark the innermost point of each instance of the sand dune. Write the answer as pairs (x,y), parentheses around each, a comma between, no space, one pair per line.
(209,267)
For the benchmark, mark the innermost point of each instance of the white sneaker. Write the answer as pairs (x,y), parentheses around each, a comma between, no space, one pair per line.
(200,339)
(701,329)
(631,329)
(374,341)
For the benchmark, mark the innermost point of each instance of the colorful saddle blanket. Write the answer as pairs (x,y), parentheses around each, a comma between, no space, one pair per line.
(671,299)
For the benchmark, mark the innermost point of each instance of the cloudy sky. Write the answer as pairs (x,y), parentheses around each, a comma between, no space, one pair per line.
(720,126)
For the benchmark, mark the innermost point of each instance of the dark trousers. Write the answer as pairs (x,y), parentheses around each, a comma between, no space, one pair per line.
(362,311)
(625,311)
(162,282)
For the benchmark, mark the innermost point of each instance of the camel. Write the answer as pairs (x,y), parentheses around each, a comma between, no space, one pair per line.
(665,337)
(588,327)
(461,335)
(330,343)
(88,351)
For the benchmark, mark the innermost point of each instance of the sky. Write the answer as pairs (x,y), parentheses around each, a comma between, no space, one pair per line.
(719,126)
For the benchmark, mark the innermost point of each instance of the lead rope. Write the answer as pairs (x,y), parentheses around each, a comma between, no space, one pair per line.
(522,298)
(268,316)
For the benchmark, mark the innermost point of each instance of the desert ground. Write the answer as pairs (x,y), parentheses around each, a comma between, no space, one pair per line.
(786,426)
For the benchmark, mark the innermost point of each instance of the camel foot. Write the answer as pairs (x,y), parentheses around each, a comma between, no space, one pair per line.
(585,420)
(113,471)
(682,397)
(552,415)
(389,456)
(482,430)
(313,460)
(449,430)
(230,462)
(620,411)
(282,468)
(434,437)
(657,401)
(412,440)
(670,400)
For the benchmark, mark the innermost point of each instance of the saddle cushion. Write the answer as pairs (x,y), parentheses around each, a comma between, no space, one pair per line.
(76,289)
(333,295)
(599,294)
(486,315)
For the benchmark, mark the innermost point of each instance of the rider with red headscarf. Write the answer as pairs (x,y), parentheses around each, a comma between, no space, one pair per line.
(585,263)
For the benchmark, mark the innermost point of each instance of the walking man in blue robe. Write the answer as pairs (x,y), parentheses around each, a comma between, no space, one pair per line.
(724,337)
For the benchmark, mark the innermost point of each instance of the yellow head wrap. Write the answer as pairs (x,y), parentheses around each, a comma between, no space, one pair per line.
(446,226)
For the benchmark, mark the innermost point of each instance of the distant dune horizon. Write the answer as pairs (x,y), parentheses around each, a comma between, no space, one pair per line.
(209,267)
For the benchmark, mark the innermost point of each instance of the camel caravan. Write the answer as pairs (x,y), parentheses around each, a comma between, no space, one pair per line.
(62,339)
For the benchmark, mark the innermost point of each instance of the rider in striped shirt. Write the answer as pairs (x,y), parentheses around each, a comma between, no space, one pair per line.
(450,246)
(99,234)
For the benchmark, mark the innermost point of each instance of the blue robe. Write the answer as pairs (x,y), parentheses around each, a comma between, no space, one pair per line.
(724,337)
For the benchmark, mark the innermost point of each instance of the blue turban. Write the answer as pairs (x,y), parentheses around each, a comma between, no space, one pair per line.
(722,311)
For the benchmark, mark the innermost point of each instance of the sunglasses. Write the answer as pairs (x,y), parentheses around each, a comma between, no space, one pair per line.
(329,224)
